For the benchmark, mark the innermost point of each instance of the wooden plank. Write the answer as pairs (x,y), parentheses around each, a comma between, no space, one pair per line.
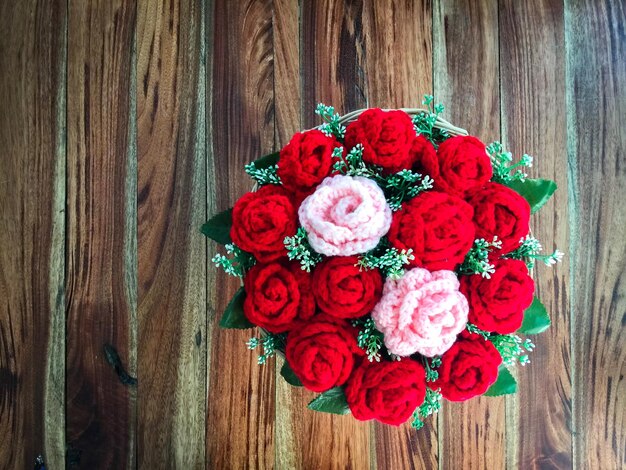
(172,254)
(332,57)
(100,403)
(287,86)
(532,71)
(466,81)
(596,104)
(289,434)
(32,225)
(396,80)
(334,74)
(240,408)
(331,73)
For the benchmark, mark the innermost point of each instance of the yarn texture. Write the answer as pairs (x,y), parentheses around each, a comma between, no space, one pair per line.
(368,253)
(321,352)
(424,157)
(345,216)
(343,290)
(262,220)
(498,304)
(305,161)
(421,312)
(386,136)
(500,211)
(386,391)
(277,295)
(469,368)
(437,227)
(463,164)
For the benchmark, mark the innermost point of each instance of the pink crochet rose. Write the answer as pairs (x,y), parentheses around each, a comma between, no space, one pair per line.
(421,312)
(346,215)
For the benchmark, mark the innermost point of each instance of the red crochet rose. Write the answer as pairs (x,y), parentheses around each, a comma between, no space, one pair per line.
(437,227)
(321,352)
(424,157)
(277,295)
(343,290)
(386,391)
(305,161)
(500,211)
(468,368)
(498,304)
(262,220)
(463,164)
(386,136)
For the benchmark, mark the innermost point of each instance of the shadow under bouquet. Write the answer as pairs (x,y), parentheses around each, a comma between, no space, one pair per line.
(386,254)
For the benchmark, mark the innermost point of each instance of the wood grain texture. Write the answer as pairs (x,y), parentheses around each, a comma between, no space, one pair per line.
(32,192)
(290,429)
(466,80)
(532,72)
(332,56)
(240,408)
(394,81)
(172,255)
(99,405)
(338,440)
(596,101)
(332,73)
(287,77)
(398,50)
(126,123)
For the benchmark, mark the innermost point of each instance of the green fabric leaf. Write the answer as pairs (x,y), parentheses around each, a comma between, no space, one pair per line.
(233,315)
(536,319)
(266,161)
(331,401)
(504,385)
(535,191)
(218,227)
(289,375)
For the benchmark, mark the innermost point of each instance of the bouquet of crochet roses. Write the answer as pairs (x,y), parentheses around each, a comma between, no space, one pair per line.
(386,255)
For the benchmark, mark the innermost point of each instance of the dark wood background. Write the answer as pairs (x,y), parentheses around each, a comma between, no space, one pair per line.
(125,123)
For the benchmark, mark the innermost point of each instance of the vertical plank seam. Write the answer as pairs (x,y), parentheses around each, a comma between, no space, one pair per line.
(510,402)
(208,16)
(274,150)
(572,184)
(435,17)
(274,144)
(201,158)
(54,452)
(130,242)
(434,4)
(434,24)
(66,230)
